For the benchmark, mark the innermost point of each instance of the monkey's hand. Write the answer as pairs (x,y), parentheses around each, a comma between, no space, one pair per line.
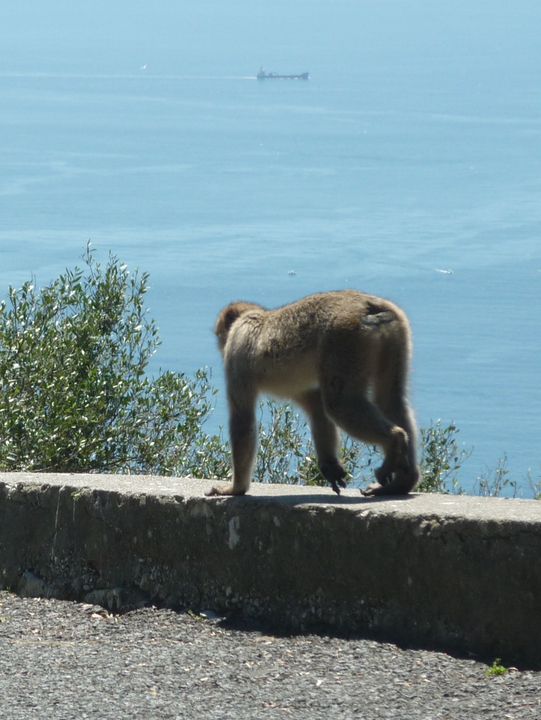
(224,490)
(337,484)
(334,473)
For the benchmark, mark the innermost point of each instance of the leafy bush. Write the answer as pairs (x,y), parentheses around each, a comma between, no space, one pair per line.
(441,458)
(74,391)
(283,447)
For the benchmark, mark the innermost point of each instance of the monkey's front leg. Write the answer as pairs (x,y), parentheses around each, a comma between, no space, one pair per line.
(242,432)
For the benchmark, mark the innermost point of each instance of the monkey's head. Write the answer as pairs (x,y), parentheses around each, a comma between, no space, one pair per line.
(228,316)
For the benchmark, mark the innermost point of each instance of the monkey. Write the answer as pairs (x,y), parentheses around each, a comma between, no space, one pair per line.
(344,358)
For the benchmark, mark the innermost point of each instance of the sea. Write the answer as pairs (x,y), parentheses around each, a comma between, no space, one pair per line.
(415,178)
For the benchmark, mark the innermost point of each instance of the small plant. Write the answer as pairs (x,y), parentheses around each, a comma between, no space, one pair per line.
(283,444)
(497,482)
(497,669)
(441,458)
(534,485)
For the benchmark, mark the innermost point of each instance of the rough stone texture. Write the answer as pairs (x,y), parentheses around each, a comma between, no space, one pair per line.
(452,572)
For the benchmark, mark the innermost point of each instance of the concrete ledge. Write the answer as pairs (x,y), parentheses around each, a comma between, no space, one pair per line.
(458,573)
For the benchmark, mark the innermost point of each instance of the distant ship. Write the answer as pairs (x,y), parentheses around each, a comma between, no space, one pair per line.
(262,75)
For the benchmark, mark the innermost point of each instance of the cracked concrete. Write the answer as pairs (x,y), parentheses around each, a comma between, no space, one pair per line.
(454,572)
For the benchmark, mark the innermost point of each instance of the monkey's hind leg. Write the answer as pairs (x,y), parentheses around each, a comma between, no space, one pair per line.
(326,440)
(362,419)
(397,475)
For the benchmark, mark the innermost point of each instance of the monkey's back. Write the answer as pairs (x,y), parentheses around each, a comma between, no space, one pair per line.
(313,318)
(285,347)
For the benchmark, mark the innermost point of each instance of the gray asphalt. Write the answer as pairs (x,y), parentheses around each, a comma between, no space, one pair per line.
(62,660)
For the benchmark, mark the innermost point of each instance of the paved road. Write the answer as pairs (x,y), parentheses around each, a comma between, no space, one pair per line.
(61,660)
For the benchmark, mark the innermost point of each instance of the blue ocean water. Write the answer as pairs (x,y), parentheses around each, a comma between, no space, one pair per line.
(405,180)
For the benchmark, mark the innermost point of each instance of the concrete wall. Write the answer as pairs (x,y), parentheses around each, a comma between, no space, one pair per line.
(457,573)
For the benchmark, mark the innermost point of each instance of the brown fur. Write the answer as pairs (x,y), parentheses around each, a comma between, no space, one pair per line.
(344,358)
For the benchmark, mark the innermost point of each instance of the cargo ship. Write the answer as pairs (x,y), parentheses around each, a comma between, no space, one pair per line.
(262,75)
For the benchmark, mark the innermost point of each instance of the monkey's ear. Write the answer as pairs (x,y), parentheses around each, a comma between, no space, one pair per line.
(229,315)
(225,319)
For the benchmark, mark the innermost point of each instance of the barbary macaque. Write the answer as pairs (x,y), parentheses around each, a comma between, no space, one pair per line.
(344,358)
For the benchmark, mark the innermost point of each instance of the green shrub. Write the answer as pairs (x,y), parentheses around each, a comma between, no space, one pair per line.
(441,458)
(494,483)
(75,395)
(283,445)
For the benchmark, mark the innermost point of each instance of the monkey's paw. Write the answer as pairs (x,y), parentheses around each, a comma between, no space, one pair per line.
(400,482)
(337,484)
(373,490)
(334,473)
